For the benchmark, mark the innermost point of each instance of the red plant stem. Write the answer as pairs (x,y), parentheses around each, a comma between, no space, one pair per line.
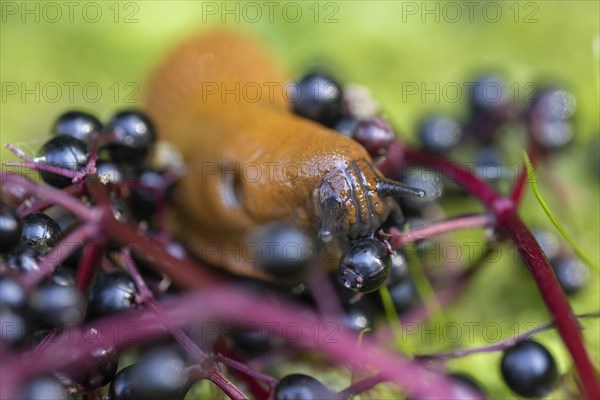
(399,238)
(227,303)
(508,221)
(37,166)
(92,251)
(15,182)
(41,205)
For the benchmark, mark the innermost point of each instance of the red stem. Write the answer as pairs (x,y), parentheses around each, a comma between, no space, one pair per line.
(399,238)
(508,221)
(228,303)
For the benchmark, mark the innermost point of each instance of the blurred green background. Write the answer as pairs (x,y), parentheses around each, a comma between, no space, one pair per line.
(97,56)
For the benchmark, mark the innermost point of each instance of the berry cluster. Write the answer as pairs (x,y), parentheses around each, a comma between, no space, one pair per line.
(126,269)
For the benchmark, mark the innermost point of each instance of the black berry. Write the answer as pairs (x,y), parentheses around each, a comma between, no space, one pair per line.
(64,152)
(143,199)
(44,389)
(466,382)
(439,134)
(301,387)
(160,374)
(111,293)
(375,135)
(529,369)
(103,369)
(57,305)
(40,233)
(366,266)
(318,97)
(10,229)
(488,94)
(404,295)
(13,326)
(572,273)
(109,172)
(132,136)
(285,251)
(12,294)
(79,125)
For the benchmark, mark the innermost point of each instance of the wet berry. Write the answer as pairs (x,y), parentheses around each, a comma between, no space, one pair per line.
(12,294)
(109,172)
(132,136)
(301,387)
(111,293)
(63,276)
(439,134)
(24,261)
(366,266)
(529,369)
(10,229)
(40,233)
(404,295)
(318,97)
(104,364)
(285,251)
(466,382)
(549,118)
(64,152)
(57,305)
(488,94)
(160,374)
(143,199)
(79,125)
(572,273)
(251,342)
(13,326)
(375,135)
(548,242)
(44,389)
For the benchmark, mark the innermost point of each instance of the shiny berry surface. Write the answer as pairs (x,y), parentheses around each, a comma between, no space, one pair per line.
(132,136)
(285,251)
(111,293)
(439,134)
(301,387)
(45,389)
(64,152)
(79,125)
(366,266)
(40,233)
(160,374)
(12,294)
(10,229)
(529,369)
(572,274)
(57,305)
(318,97)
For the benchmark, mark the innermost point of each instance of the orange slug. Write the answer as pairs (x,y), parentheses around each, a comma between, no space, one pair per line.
(251,161)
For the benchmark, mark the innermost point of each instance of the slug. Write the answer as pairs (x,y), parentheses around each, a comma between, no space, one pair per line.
(250,161)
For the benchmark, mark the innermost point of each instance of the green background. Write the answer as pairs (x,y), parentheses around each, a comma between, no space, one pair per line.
(384,45)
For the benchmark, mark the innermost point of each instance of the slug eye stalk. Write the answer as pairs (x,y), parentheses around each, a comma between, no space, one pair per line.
(391,188)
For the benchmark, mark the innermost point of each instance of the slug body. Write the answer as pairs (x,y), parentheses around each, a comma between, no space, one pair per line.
(251,161)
